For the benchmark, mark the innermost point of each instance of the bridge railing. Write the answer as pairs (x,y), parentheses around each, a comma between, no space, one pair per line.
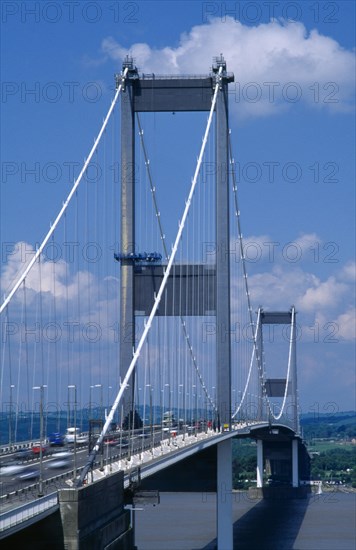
(252,414)
(27,511)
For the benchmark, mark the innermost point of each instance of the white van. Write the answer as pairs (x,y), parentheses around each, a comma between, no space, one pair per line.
(71,434)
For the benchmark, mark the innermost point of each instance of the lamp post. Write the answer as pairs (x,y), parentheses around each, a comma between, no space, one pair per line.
(108,404)
(73,386)
(40,481)
(150,389)
(214,408)
(195,395)
(101,397)
(90,423)
(161,402)
(10,414)
(90,402)
(68,410)
(169,413)
(101,415)
(180,392)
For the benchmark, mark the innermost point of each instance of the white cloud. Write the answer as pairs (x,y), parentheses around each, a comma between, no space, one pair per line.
(346,325)
(322,295)
(279,288)
(46,276)
(327,302)
(74,306)
(263,248)
(348,272)
(276,64)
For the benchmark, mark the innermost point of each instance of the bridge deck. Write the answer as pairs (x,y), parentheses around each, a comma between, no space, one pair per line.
(146,463)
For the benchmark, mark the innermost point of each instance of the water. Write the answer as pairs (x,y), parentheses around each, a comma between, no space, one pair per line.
(186,521)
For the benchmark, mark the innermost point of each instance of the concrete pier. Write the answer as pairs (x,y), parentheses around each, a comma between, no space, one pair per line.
(93,517)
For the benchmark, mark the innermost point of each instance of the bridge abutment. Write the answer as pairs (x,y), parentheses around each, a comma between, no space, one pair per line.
(93,516)
(283,463)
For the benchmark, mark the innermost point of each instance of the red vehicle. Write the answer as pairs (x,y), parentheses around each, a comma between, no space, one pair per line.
(110,441)
(36,449)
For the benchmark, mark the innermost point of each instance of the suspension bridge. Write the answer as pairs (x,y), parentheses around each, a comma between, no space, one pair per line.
(133,322)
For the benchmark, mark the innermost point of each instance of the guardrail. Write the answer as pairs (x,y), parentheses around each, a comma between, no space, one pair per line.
(13,447)
(27,512)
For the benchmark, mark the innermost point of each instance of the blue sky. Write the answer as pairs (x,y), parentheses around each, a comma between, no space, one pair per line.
(293,131)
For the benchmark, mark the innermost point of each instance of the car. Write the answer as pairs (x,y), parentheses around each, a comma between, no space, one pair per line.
(72,434)
(12,470)
(62,454)
(8,462)
(110,442)
(36,449)
(60,463)
(56,439)
(29,473)
(82,439)
(62,459)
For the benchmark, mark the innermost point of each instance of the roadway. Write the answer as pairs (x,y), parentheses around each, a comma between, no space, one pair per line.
(21,471)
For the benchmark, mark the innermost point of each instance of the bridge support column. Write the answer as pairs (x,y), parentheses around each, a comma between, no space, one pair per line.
(127,245)
(259,463)
(224,495)
(93,516)
(295,464)
(223,316)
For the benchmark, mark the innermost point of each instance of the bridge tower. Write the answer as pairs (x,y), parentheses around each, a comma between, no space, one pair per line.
(153,93)
(275,387)
(278,445)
